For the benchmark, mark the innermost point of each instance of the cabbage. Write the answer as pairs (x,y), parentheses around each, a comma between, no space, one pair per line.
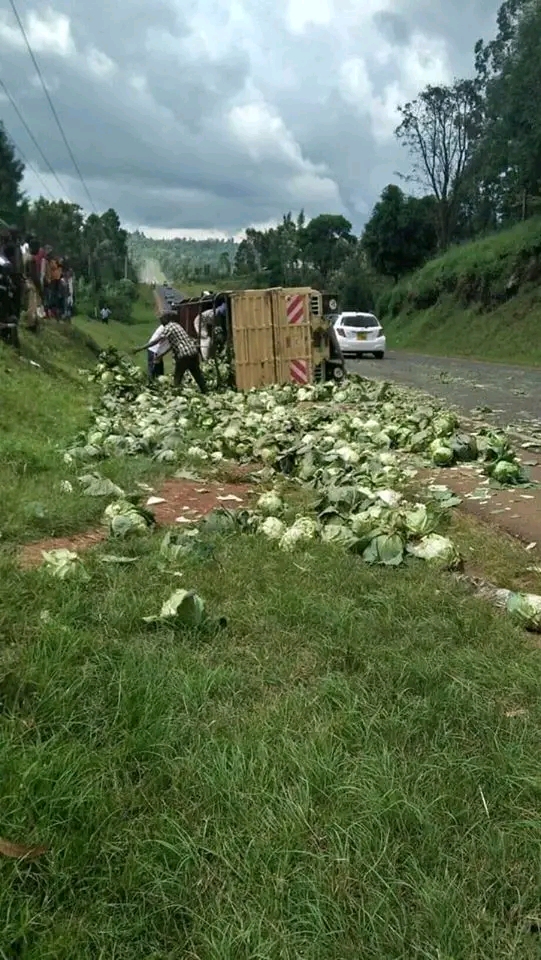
(386,549)
(124,519)
(197,453)
(445,425)
(436,549)
(183,608)
(96,486)
(339,534)
(464,447)
(303,530)
(348,454)
(505,471)
(270,504)
(272,527)
(389,497)
(418,521)
(363,523)
(441,453)
(64,564)
(525,609)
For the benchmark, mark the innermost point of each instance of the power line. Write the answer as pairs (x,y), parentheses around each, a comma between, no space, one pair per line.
(31,135)
(51,104)
(27,163)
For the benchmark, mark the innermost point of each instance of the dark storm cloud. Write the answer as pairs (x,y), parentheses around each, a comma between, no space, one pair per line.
(224,113)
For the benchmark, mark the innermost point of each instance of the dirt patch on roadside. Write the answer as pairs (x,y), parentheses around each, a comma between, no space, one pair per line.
(183,501)
(515,510)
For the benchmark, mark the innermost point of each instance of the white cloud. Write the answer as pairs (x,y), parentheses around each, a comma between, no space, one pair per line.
(301,14)
(48,32)
(354,83)
(263,133)
(100,64)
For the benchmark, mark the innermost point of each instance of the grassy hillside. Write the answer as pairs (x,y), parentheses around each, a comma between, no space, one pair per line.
(479,300)
(45,398)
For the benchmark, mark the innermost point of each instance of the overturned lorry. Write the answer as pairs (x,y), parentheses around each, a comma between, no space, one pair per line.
(278,335)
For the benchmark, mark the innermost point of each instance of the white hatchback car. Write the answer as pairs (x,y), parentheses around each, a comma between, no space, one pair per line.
(360,333)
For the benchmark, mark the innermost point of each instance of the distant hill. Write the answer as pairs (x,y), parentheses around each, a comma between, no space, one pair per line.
(181,259)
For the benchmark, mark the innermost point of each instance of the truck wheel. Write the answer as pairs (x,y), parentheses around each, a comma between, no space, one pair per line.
(379,355)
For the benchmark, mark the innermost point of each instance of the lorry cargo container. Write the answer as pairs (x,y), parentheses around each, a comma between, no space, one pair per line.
(278,335)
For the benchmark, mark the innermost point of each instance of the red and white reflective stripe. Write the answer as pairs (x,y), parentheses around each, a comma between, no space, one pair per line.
(295,308)
(299,371)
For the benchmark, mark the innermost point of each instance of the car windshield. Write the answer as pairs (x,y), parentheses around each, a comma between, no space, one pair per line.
(362,320)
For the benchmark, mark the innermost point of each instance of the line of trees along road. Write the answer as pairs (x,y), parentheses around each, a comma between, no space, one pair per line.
(96,246)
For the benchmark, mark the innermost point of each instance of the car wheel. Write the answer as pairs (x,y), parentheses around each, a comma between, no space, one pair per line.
(379,355)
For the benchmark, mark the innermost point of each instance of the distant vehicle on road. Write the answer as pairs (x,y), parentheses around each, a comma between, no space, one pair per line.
(358,334)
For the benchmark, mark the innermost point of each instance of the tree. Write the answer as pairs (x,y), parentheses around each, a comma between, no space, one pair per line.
(401,233)
(508,158)
(58,224)
(440,129)
(325,242)
(224,265)
(11,176)
(354,285)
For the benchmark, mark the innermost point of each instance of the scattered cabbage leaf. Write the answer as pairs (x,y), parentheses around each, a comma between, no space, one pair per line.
(438,549)
(183,608)
(386,549)
(525,609)
(64,564)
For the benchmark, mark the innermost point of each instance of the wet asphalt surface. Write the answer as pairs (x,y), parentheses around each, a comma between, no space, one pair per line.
(513,394)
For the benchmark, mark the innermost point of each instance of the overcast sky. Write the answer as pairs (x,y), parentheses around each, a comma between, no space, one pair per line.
(212,115)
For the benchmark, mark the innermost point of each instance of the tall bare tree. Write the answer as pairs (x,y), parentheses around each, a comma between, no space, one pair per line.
(439,129)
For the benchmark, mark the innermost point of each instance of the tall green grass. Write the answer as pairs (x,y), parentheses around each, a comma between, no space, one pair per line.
(341,772)
(43,408)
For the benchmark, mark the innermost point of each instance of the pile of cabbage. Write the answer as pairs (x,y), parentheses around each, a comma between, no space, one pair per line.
(367,431)
(379,525)
(356,446)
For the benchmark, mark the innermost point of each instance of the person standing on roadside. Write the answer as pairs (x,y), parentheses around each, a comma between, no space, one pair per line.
(156,353)
(184,349)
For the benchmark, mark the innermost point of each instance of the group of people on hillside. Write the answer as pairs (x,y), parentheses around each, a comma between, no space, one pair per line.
(34,282)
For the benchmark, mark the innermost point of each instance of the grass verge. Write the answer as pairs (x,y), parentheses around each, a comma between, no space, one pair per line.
(480,300)
(347,768)
(43,409)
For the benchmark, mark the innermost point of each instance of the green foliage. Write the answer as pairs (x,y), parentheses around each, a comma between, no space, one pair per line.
(439,130)
(401,233)
(486,272)
(509,72)
(355,284)
(183,260)
(11,176)
(479,299)
(325,241)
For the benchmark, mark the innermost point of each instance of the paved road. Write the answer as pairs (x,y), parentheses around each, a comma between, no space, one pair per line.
(162,290)
(512,393)
(151,272)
